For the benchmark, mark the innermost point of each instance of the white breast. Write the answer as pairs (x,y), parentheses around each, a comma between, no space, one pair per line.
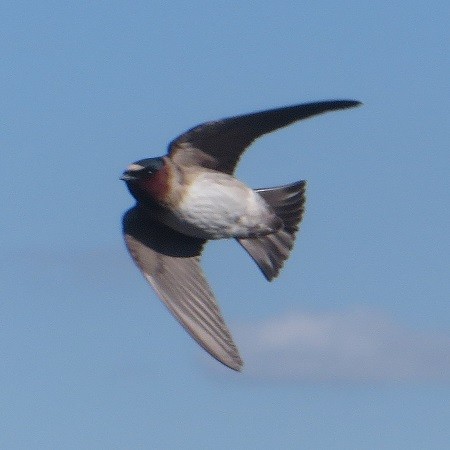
(217,206)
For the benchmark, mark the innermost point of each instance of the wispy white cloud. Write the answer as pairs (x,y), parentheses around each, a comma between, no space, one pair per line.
(356,345)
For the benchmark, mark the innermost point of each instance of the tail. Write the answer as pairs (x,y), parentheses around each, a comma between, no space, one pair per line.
(270,251)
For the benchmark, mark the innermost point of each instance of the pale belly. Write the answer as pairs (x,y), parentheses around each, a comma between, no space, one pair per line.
(222,207)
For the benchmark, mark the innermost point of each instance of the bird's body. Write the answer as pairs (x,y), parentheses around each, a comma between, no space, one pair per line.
(213,205)
(190,196)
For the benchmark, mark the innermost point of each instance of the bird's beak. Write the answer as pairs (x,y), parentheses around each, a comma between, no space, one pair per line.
(126,176)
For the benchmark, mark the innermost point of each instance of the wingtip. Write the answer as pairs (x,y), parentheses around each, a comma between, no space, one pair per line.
(231,359)
(233,362)
(349,103)
(357,103)
(237,366)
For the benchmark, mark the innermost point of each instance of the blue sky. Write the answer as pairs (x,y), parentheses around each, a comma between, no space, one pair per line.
(348,348)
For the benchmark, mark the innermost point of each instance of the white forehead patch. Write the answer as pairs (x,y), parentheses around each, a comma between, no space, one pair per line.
(134,167)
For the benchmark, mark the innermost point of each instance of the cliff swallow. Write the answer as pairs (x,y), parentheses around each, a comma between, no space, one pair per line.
(190,196)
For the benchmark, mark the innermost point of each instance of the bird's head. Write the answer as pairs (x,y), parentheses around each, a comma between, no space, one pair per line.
(147,180)
(142,170)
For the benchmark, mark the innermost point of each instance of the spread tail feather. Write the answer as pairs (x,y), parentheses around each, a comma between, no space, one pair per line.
(270,251)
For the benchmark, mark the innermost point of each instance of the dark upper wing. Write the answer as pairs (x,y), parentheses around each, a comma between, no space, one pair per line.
(219,144)
(170,262)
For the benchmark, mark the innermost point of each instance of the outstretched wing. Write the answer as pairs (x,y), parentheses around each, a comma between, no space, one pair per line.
(218,145)
(170,262)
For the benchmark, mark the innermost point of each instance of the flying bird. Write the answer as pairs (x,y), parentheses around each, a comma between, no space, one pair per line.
(190,196)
